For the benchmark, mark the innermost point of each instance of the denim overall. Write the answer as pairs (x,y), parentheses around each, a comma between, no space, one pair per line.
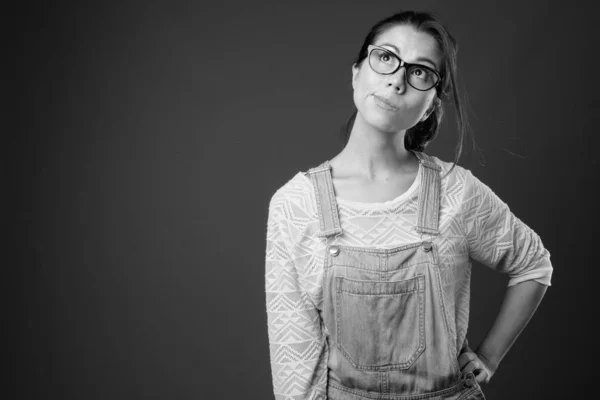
(383,309)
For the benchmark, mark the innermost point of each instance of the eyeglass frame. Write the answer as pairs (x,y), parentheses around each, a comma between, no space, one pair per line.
(402,63)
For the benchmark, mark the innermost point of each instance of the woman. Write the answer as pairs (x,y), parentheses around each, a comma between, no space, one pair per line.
(369,254)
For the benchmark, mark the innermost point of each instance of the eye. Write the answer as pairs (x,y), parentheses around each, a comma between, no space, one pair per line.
(385,57)
(421,73)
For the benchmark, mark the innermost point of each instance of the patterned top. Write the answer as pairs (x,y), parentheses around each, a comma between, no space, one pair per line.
(475,224)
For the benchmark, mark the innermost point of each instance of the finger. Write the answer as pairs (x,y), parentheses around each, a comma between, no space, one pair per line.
(469,367)
(485,371)
(468,358)
(481,376)
(465,358)
(474,366)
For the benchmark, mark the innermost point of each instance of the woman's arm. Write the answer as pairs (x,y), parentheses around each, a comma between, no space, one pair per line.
(519,305)
(501,241)
(297,346)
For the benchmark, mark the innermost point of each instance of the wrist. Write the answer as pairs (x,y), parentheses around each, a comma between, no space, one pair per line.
(490,362)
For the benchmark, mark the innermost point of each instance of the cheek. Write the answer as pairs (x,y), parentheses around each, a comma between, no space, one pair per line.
(425,103)
(364,86)
(421,101)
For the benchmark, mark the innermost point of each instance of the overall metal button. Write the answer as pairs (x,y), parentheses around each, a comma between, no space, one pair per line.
(427,246)
(334,250)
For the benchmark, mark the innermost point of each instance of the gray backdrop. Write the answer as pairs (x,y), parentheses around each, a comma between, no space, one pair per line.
(146,139)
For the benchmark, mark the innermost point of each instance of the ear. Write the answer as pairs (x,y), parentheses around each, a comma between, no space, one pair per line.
(355,70)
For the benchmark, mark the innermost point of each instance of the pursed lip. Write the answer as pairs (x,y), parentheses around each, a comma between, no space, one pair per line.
(386,101)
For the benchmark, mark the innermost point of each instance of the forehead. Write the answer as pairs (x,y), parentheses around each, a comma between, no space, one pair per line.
(412,44)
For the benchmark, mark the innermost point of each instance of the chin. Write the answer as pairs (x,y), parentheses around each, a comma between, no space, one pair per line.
(386,123)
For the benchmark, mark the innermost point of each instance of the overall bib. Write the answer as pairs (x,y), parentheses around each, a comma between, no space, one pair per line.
(383,309)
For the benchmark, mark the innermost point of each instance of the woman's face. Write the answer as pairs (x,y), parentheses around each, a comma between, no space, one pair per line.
(409,104)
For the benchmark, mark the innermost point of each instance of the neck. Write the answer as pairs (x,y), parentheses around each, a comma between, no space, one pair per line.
(373,154)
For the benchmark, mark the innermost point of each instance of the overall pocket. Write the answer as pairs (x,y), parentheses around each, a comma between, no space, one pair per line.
(380,324)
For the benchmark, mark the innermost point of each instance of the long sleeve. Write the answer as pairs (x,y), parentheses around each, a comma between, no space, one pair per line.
(297,344)
(500,240)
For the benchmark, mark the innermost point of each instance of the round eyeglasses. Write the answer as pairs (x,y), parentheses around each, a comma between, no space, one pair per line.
(386,62)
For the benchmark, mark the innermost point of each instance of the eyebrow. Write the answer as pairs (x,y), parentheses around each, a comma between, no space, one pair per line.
(419,59)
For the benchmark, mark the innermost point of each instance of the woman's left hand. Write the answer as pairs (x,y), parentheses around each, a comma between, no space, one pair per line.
(470,361)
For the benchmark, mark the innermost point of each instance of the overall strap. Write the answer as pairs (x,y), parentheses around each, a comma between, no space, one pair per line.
(429,195)
(329,221)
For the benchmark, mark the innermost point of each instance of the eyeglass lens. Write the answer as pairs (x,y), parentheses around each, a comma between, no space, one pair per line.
(421,78)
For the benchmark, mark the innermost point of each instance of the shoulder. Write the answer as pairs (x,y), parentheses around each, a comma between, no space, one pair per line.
(295,192)
(464,185)
(458,174)
(459,182)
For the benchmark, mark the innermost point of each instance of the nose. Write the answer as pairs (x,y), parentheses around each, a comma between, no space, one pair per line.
(398,80)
